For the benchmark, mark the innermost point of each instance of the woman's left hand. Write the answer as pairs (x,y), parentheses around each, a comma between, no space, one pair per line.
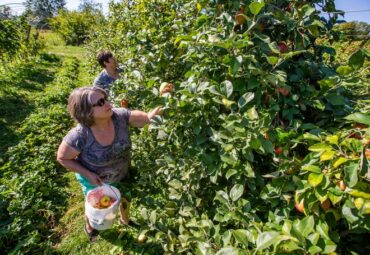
(156,111)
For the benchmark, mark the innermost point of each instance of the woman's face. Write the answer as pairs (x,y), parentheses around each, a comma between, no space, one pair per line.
(112,63)
(101,106)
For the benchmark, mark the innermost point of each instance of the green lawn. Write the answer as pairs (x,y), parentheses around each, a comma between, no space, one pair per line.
(21,83)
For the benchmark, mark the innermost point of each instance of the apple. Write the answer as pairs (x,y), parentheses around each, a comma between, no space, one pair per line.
(326,205)
(283,48)
(367,153)
(166,88)
(239,16)
(105,201)
(283,91)
(299,206)
(360,126)
(356,136)
(141,238)
(342,186)
(279,150)
(289,8)
(124,103)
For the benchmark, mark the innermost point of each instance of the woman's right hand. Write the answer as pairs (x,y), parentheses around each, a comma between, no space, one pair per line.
(94,179)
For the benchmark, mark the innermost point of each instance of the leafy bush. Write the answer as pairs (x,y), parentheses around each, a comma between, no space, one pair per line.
(17,39)
(75,27)
(246,157)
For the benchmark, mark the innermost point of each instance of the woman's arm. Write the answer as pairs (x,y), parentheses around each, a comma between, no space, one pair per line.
(66,156)
(140,119)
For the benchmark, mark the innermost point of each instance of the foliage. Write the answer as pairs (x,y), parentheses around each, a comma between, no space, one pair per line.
(250,132)
(353,30)
(39,11)
(32,199)
(76,26)
(17,39)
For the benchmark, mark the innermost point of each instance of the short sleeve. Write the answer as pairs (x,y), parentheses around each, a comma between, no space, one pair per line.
(122,114)
(76,138)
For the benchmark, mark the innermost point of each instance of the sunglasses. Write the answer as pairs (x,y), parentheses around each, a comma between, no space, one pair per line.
(100,102)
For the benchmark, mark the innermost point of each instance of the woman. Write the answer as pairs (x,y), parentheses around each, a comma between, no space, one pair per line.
(98,148)
(111,71)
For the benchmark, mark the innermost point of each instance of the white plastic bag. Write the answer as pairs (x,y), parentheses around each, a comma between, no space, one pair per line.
(102,218)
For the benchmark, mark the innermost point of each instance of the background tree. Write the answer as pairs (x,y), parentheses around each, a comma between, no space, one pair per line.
(5,12)
(76,26)
(41,10)
(353,30)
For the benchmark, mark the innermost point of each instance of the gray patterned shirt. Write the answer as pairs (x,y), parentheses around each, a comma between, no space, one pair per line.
(110,162)
(104,80)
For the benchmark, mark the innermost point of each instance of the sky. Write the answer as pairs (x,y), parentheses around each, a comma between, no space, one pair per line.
(344,5)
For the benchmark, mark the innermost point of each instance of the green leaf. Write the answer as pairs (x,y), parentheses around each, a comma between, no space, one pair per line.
(229,159)
(323,228)
(245,99)
(311,168)
(274,48)
(309,136)
(227,88)
(334,198)
(272,60)
(339,161)
(228,251)
(350,212)
(305,226)
(241,236)
(359,117)
(327,155)
(252,113)
(237,62)
(203,249)
(350,174)
(315,179)
(344,70)
(314,250)
(266,239)
(236,192)
(230,173)
(267,146)
(335,99)
(256,7)
(319,147)
(358,193)
(333,139)
(153,217)
(357,59)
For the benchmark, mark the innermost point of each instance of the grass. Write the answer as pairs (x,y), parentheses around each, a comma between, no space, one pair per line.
(21,83)
(55,45)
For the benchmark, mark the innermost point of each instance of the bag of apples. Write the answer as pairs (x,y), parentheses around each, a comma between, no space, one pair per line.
(101,206)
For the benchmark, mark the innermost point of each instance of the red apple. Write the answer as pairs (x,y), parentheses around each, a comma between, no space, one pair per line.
(326,205)
(124,103)
(367,153)
(283,48)
(105,201)
(166,88)
(283,91)
(239,16)
(300,206)
(279,150)
(342,186)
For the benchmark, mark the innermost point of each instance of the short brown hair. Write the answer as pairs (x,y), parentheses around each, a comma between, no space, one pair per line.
(80,104)
(104,56)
